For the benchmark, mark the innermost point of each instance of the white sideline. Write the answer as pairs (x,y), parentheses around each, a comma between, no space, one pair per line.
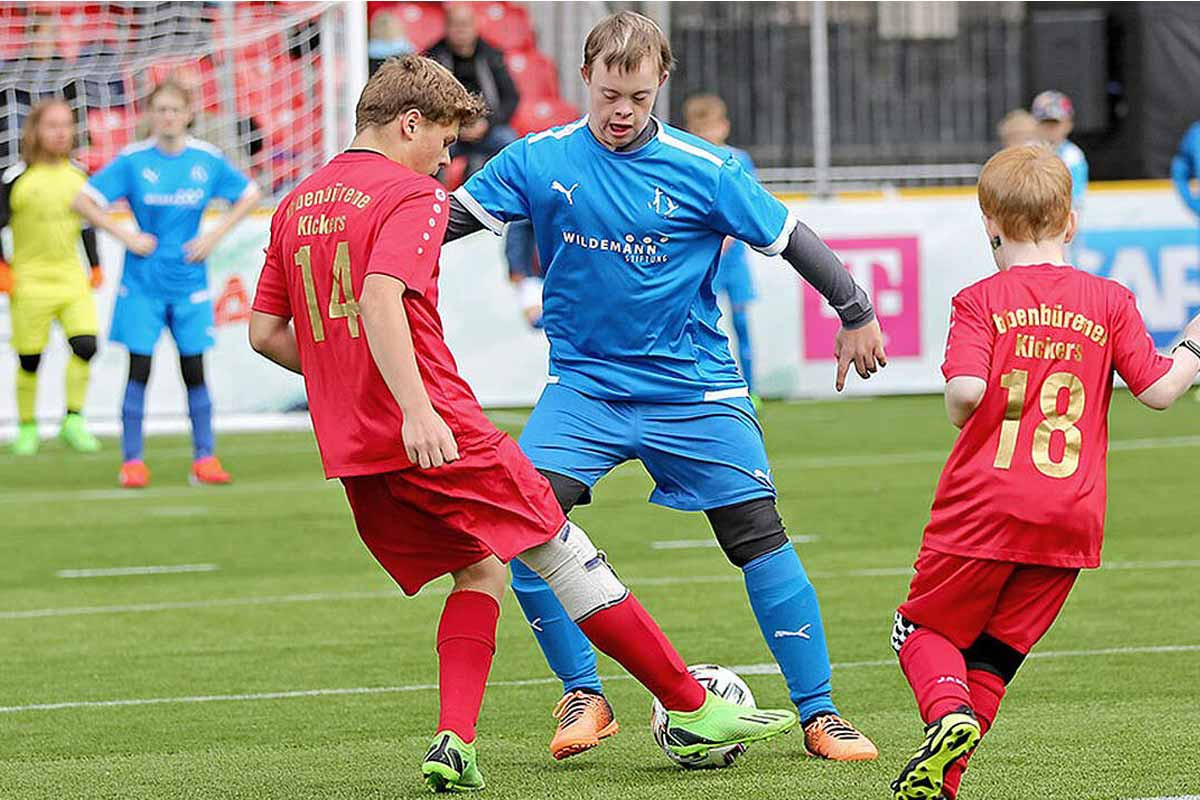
(436,591)
(111,572)
(745,669)
(709,542)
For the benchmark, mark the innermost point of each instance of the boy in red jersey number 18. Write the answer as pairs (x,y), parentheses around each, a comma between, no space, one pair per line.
(435,488)
(1019,509)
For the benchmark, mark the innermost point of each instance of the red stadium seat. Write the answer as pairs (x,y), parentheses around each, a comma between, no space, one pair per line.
(504,26)
(424,23)
(538,115)
(535,75)
(109,130)
(196,74)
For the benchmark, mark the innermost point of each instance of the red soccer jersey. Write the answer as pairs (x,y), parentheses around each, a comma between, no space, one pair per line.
(1025,481)
(363,213)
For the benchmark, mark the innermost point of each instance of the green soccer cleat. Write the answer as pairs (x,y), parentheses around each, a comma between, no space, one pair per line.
(720,723)
(451,765)
(26,443)
(947,739)
(75,433)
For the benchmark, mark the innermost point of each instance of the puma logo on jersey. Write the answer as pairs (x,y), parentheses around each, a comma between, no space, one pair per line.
(802,633)
(662,203)
(558,187)
(765,477)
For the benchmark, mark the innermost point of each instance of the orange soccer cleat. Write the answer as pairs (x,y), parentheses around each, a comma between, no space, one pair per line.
(207,471)
(584,719)
(830,736)
(134,475)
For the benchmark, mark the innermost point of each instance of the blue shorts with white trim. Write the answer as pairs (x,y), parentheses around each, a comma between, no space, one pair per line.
(700,455)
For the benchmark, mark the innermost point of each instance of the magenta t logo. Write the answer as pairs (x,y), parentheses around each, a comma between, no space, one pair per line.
(888,269)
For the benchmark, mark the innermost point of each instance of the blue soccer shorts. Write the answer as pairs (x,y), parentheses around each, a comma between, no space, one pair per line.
(138,319)
(701,455)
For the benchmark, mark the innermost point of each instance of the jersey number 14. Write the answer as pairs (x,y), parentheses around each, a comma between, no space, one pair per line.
(342,302)
(1016,383)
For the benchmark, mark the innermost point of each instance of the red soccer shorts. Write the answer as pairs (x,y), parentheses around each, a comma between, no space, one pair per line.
(422,524)
(962,598)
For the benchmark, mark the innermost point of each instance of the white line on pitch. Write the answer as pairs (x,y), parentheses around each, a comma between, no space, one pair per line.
(696,544)
(437,592)
(745,669)
(1174,797)
(115,572)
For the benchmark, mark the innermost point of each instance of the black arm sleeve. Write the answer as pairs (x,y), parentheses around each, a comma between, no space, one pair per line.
(821,267)
(89,246)
(5,214)
(462,222)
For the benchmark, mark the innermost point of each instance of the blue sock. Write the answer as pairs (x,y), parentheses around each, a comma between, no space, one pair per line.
(741,327)
(785,603)
(200,410)
(133,408)
(567,650)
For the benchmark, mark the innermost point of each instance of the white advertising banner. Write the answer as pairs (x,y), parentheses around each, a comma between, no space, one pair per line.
(912,253)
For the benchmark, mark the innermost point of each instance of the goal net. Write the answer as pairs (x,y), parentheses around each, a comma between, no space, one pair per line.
(273,83)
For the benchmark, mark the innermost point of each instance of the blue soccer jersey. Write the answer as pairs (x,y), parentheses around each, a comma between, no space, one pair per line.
(1077,165)
(167,194)
(631,242)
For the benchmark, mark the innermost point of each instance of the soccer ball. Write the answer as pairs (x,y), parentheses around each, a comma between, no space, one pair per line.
(725,684)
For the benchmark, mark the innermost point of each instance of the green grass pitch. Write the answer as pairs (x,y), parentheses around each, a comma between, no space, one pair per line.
(325,670)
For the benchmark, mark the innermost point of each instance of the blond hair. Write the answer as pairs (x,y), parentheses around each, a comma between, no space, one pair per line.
(703,108)
(624,40)
(1017,118)
(171,84)
(415,82)
(1026,190)
(31,148)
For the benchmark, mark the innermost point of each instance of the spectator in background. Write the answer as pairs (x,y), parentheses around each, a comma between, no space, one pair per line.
(1186,166)
(387,39)
(706,116)
(1055,115)
(1017,128)
(480,68)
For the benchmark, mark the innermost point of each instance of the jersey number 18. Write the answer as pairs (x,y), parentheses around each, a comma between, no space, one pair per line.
(1016,383)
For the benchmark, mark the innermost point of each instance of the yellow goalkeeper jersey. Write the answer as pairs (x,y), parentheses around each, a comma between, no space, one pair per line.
(36,201)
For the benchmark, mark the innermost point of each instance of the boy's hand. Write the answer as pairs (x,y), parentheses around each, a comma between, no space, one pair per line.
(428,440)
(862,347)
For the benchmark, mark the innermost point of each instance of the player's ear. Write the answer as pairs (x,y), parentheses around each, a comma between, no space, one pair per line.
(585,72)
(990,226)
(1072,226)
(663,78)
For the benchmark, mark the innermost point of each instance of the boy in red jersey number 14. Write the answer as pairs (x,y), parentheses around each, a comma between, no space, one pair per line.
(435,488)
(1020,505)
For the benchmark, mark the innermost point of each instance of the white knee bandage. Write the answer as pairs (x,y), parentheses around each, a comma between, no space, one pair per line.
(577,573)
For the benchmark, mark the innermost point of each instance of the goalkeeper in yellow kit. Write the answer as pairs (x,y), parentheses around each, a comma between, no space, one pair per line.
(44,279)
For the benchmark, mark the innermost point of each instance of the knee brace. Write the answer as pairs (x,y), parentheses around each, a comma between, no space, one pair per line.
(139,368)
(568,491)
(29,363)
(902,628)
(748,530)
(578,573)
(989,654)
(192,369)
(84,347)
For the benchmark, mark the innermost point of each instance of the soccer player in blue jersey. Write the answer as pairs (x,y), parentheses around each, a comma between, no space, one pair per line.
(168,181)
(630,215)
(706,116)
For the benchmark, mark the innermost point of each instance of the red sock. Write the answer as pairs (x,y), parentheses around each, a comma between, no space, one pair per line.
(936,671)
(466,642)
(987,690)
(629,635)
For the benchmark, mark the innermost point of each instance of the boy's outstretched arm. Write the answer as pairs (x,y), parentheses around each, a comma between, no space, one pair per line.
(1185,367)
(964,393)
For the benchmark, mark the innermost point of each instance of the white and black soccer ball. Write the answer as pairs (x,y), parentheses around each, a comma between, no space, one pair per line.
(725,684)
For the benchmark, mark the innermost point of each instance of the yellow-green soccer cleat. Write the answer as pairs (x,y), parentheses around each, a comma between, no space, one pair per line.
(451,765)
(720,723)
(26,443)
(75,433)
(947,739)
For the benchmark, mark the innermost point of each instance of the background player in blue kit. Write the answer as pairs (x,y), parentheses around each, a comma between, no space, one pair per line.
(630,215)
(168,181)
(706,116)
